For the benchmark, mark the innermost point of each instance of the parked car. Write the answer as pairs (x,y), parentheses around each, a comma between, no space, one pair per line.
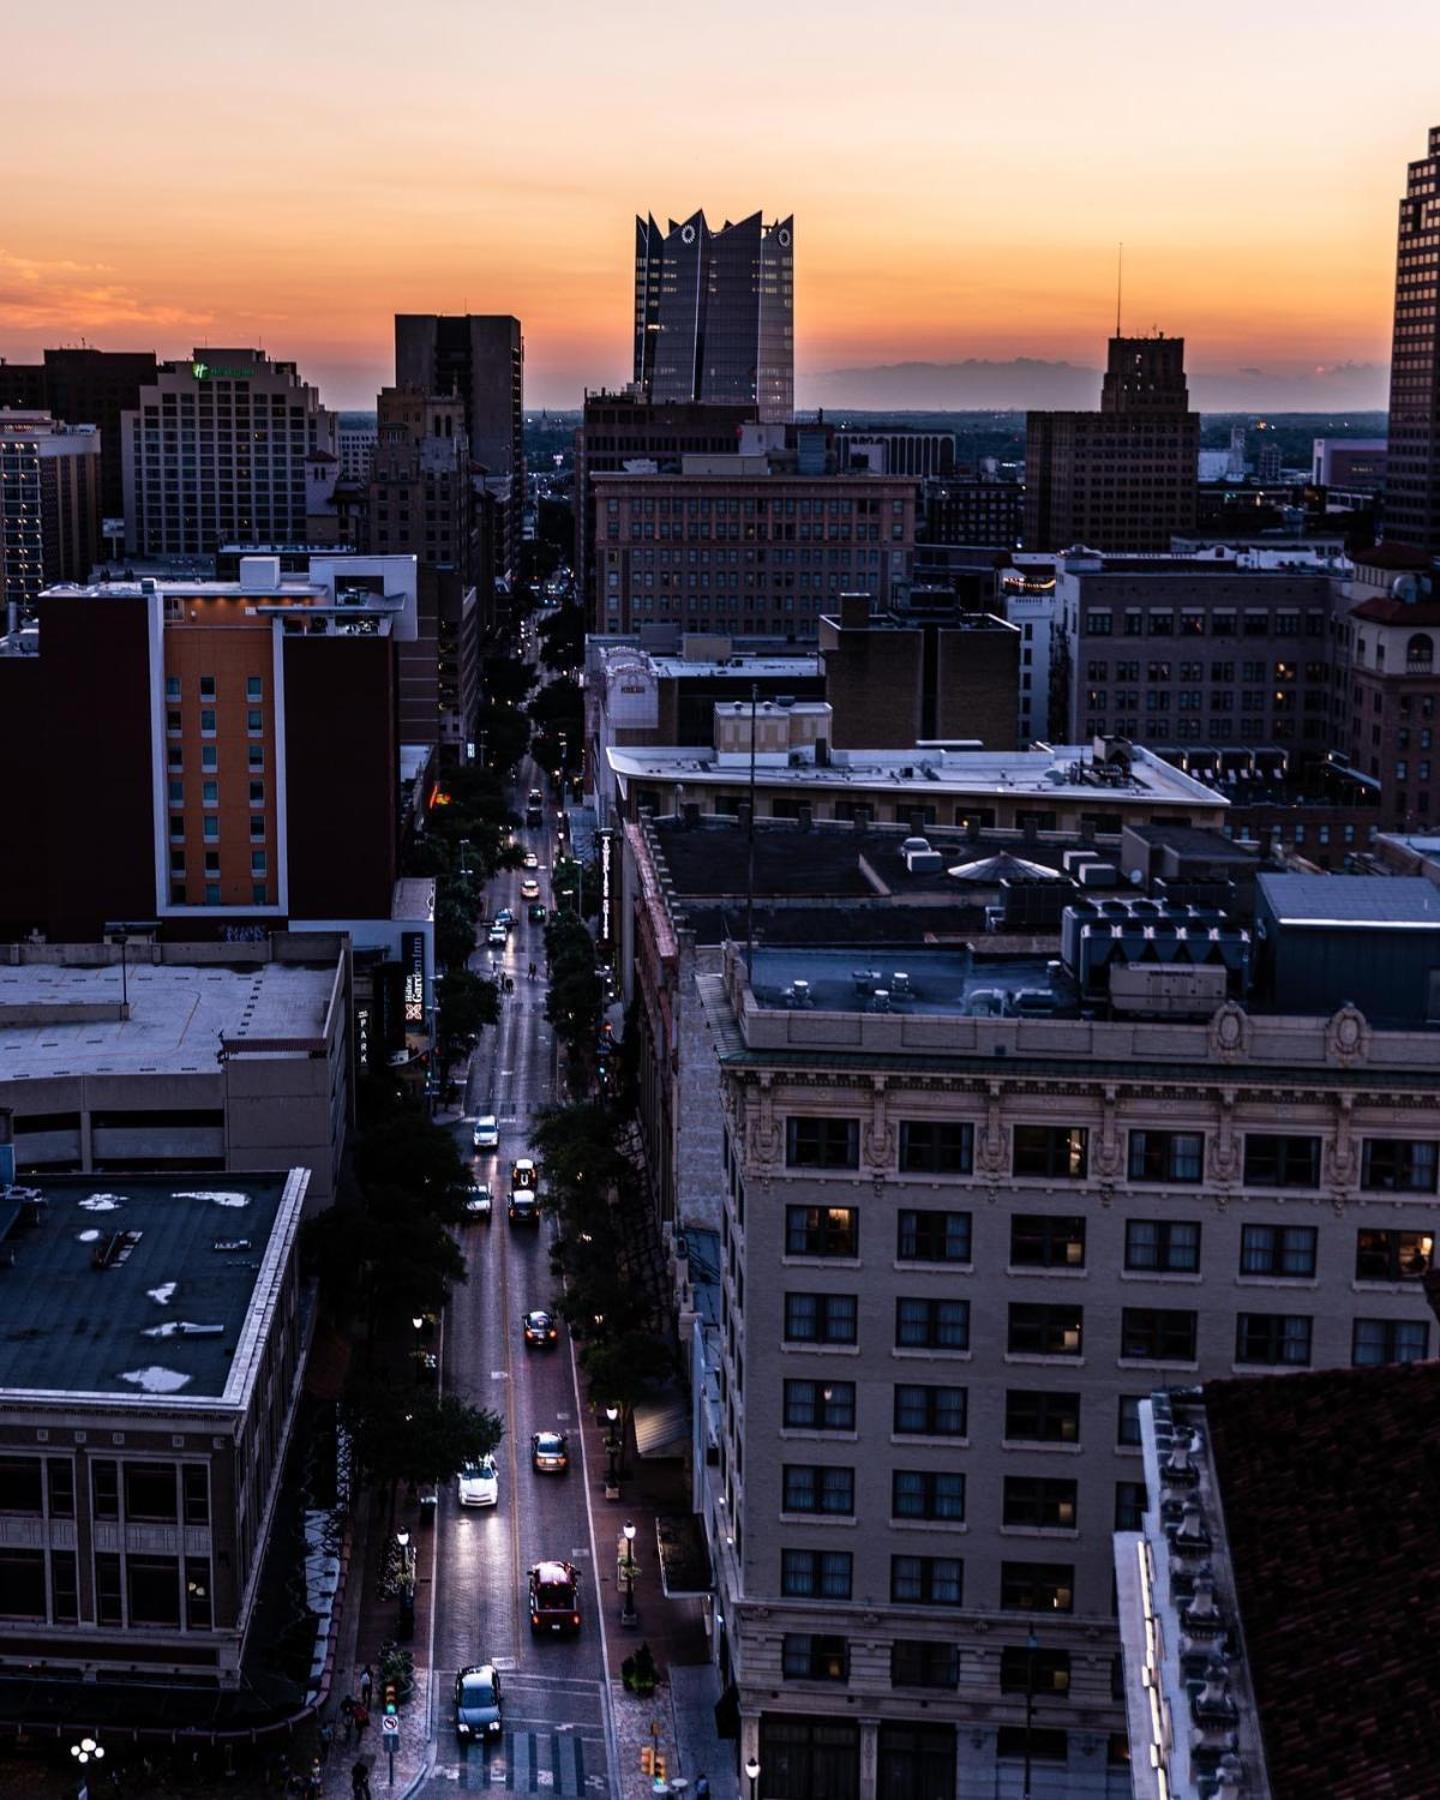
(549,1452)
(478,1483)
(554,1597)
(477,1703)
(487,1132)
(540,1330)
(477,1202)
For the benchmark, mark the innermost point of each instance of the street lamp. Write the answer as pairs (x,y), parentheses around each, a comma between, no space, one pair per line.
(87,1750)
(612,1451)
(406,1628)
(1032,1644)
(627,1570)
(752,1769)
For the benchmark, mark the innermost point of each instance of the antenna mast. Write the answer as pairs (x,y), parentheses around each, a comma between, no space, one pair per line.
(1119,284)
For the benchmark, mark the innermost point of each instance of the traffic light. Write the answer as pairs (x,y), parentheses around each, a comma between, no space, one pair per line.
(647,1760)
(659,1765)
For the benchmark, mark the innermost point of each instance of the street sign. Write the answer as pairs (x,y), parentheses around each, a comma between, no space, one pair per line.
(390,1726)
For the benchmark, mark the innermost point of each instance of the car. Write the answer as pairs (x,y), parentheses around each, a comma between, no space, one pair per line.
(487,1132)
(477,1704)
(505,919)
(478,1484)
(530,889)
(538,914)
(554,1597)
(540,1330)
(549,1452)
(497,937)
(477,1201)
(532,861)
(523,1173)
(523,1206)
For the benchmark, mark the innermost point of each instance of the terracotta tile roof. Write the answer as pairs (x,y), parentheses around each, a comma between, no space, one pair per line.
(1331,1489)
(1385,611)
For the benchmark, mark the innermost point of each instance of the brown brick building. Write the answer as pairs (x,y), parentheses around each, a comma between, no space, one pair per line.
(1123,478)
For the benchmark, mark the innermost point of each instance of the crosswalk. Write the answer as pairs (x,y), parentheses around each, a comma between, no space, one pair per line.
(567,1761)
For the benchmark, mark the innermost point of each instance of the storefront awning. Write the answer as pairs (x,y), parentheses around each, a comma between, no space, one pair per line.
(662,1426)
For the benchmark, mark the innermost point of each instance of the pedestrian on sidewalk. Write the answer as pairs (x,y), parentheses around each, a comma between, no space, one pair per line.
(702,1787)
(367,1684)
(362,1719)
(360,1782)
(327,1738)
(347,1713)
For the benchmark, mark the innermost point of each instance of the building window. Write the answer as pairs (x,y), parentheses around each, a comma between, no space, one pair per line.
(924,1411)
(927,1494)
(932,1324)
(109,1602)
(1155,1334)
(209,793)
(209,758)
(207,687)
(62,1488)
(941,1237)
(256,754)
(927,1580)
(807,1658)
(820,1318)
(257,862)
(1051,1151)
(917,1662)
(20,1485)
(195,1479)
(821,1231)
(1037,1587)
(1039,1418)
(22,1583)
(822,1143)
(254,687)
(1128,1428)
(1281,1162)
(1129,1505)
(207,721)
(257,793)
(150,1492)
(820,1405)
(105,1489)
(1169,1246)
(199,1611)
(815,1574)
(1040,1502)
(1272,1338)
(809,1487)
(153,1584)
(1398,1166)
(64,1588)
(936,1147)
(1282,1250)
(174,723)
(1040,1242)
(1392,1255)
(172,687)
(1045,1330)
(1378,1341)
(254,723)
(259,894)
(1026,1671)
(1167,1155)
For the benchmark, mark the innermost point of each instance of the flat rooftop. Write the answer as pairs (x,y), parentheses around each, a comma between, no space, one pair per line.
(178,1012)
(1376,902)
(936,983)
(738,667)
(1069,771)
(165,1319)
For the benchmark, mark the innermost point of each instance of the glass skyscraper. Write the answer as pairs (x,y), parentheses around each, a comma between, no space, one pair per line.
(715,313)
(1412,480)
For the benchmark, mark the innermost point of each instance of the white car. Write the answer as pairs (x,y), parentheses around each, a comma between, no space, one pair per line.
(530,889)
(487,1132)
(477,1202)
(479,1483)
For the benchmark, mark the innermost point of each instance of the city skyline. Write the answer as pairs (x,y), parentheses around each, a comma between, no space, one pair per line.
(948,218)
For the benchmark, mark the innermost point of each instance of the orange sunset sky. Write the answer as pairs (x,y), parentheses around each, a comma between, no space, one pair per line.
(960,173)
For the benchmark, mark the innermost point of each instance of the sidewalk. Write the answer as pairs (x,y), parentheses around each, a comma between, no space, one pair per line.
(683,1706)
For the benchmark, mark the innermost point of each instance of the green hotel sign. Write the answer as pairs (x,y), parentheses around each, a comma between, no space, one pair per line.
(203,371)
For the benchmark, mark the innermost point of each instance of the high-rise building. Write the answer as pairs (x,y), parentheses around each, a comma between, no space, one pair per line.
(1123,478)
(1412,474)
(237,742)
(218,450)
(86,387)
(480,357)
(715,313)
(49,505)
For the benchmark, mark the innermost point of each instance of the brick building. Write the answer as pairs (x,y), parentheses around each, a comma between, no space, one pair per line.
(49,506)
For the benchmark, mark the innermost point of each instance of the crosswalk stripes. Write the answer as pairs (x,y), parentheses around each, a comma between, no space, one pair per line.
(538,1762)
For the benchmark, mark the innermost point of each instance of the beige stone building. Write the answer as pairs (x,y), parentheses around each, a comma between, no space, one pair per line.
(967,1228)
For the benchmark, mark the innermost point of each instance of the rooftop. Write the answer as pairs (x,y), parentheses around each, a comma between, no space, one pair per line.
(1069,771)
(66,1020)
(143,1288)
(926,982)
(1390,902)
(1328,1483)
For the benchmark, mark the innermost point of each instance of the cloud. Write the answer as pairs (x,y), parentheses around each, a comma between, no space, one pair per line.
(60,295)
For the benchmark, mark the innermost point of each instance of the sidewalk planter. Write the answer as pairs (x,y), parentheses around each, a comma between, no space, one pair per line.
(639,1673)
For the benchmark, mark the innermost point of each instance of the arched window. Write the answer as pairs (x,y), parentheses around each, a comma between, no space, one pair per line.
(1420,651)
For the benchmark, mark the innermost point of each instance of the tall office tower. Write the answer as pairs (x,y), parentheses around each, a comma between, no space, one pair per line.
(480,357)
(1123,478)
(715,313)
(49,505)
(85,387)
(1412,479)
(216,452)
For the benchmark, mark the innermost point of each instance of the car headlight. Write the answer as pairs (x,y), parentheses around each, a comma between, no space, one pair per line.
(463,1729)
(494,1725)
